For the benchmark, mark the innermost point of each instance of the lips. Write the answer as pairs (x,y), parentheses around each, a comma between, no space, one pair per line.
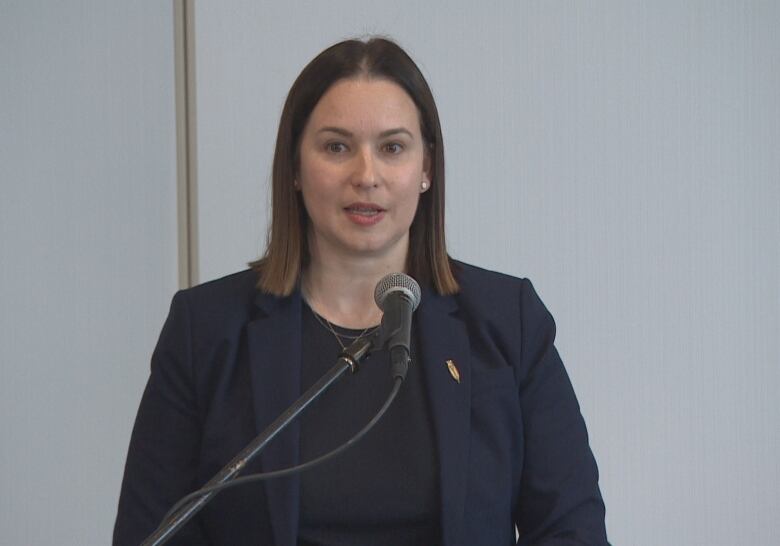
(364,213)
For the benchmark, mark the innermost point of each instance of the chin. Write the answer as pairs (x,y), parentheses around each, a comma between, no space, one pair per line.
(375,249)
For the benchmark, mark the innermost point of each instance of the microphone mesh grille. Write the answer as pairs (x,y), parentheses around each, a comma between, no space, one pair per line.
(397,282)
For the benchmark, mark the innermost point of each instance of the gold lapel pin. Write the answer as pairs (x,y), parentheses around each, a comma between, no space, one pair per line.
(453,370)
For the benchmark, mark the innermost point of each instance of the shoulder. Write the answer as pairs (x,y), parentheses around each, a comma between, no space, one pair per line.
(242,284)
(490,287)
(225,299)
(491,294)
(471,277)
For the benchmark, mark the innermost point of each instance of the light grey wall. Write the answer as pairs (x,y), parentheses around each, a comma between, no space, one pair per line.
(87,253)
(624,156)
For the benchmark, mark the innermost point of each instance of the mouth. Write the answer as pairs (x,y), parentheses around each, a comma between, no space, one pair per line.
(364,214)
(364,209)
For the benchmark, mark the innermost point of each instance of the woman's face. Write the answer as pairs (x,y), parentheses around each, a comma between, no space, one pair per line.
(362,163)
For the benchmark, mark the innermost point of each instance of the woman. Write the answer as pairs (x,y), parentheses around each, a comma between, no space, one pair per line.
(485,437)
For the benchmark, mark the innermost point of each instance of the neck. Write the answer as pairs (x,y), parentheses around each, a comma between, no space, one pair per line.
(342,291)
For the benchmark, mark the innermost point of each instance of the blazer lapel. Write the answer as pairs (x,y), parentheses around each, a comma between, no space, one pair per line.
(443,338)
(274,340)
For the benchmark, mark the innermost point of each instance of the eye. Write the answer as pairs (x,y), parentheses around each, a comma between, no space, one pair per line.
(393,148)
(336,147)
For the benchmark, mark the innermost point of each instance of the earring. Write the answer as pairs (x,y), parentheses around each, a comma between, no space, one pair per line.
(424,185)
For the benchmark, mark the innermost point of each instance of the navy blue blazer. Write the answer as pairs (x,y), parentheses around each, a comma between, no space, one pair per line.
(511,443)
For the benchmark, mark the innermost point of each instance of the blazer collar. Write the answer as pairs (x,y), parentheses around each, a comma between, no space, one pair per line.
(275,342)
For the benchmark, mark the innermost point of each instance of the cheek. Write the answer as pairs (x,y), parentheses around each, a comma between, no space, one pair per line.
(316,185)
(410,203)
(315,203)
(408,191)
(314,173)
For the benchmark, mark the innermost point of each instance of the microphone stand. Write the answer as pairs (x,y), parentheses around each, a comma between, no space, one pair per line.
(349,359)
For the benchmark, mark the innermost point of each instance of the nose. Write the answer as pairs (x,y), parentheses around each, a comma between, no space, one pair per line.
(365,174)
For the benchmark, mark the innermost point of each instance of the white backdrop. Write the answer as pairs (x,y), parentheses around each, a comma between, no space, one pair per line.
(87,253)
(622,155)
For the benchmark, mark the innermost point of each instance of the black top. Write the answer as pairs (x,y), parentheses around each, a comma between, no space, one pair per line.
(384,489)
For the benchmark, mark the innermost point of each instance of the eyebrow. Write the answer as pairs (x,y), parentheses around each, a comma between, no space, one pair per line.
(383,134)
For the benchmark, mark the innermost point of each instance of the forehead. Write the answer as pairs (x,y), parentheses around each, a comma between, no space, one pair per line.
(364,105)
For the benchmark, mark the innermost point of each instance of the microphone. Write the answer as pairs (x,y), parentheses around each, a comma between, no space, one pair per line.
(397,295)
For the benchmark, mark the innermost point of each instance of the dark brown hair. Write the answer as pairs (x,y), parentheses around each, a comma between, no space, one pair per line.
(287,252)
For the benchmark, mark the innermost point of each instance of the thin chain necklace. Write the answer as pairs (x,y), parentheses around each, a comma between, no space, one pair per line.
(327,324)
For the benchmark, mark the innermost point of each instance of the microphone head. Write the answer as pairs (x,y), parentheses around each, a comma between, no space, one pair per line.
(397,282)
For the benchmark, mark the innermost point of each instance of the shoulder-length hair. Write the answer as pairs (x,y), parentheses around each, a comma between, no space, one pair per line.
(287,252)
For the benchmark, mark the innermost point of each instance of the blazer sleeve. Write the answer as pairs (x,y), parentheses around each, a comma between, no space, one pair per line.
(559,502)
(162,458)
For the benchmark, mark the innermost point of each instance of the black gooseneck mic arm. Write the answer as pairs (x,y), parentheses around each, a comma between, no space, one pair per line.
(398,295)
(349,359)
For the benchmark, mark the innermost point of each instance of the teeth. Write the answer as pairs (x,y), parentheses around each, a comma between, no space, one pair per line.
(363,212)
